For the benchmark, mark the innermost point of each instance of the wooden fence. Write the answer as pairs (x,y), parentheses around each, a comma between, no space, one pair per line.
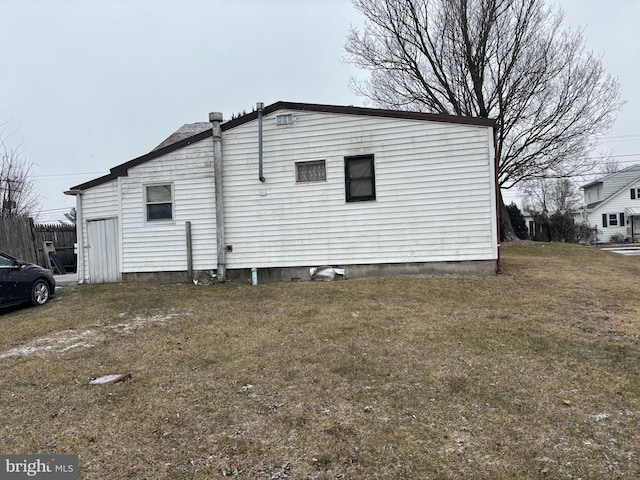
(63,238)
(21,238)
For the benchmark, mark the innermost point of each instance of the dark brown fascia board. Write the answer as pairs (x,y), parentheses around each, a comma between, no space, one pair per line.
(591,184)
(122,169)
(364,111)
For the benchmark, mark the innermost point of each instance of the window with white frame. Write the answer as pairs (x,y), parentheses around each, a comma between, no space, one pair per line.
(159,202)
(635,194)
(314,171)
(612,219)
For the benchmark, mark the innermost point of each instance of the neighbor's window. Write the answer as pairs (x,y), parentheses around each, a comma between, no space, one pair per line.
(613,220)
(635,193)
(159,202)
(359,176)
(315,171)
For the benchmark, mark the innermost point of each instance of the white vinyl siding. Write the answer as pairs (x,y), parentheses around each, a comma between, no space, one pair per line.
(618,180)
(434,193)
(159,246)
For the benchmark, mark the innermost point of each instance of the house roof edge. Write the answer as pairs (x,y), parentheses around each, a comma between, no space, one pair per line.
(363,111)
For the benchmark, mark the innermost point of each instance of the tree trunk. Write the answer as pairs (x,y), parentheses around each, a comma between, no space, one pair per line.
(507,233)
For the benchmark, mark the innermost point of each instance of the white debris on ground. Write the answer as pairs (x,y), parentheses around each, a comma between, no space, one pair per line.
(140,321)
(325,274)
(113,378)
(59,342)
(65,340)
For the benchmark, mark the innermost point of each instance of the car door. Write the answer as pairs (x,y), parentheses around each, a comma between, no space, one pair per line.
(6,279)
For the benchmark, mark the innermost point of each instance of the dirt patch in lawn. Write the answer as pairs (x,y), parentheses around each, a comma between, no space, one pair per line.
(66,340)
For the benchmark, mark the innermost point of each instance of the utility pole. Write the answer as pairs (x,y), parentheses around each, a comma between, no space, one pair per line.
(8,198)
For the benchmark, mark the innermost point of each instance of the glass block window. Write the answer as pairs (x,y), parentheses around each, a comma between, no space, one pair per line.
(159,203)
(315,171)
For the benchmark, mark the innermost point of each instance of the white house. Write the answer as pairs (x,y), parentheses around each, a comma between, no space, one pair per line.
(293,186)
(612,205)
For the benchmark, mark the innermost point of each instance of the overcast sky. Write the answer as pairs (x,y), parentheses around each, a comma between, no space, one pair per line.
(90,84)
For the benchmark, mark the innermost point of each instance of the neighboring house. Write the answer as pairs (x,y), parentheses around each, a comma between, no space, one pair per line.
(612,205)
(295,186)
(530,222)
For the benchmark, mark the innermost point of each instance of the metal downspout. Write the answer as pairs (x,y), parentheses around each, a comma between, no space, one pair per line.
(215,118)
(259,108)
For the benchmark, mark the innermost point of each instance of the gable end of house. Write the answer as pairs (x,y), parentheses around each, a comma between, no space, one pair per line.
(122,169)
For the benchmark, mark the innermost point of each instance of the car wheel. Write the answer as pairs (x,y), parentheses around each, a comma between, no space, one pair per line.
(40,292)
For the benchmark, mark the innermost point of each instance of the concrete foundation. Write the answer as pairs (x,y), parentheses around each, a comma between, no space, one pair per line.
(288,274)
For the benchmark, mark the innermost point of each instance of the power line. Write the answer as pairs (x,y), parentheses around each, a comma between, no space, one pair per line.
(612,138)
(68,175)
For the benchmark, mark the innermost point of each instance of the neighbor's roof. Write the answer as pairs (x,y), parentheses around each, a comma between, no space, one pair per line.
(194,132)
(602,179)
(185,131)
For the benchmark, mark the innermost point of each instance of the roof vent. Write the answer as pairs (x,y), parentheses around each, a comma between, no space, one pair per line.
(285,119)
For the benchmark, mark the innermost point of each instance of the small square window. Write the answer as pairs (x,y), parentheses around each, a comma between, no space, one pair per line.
(613,220)
(285,119)
(360,180)
(159,204)
(315,171)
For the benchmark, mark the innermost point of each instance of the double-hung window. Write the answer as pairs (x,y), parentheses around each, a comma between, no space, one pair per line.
(360,179)
(611,219)
(159,202)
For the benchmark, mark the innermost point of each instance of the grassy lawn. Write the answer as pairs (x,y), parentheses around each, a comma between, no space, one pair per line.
(534,373)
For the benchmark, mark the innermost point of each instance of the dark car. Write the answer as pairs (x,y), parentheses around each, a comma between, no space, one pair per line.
(22,282)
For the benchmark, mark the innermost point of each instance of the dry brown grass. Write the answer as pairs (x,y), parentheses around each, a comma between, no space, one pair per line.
(533,373)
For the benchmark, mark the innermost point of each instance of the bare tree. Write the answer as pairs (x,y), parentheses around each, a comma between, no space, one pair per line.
(505,59)
(609,164)
(549,195)
(17,185)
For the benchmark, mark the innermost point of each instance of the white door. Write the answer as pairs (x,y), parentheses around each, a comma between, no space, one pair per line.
(102,245)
